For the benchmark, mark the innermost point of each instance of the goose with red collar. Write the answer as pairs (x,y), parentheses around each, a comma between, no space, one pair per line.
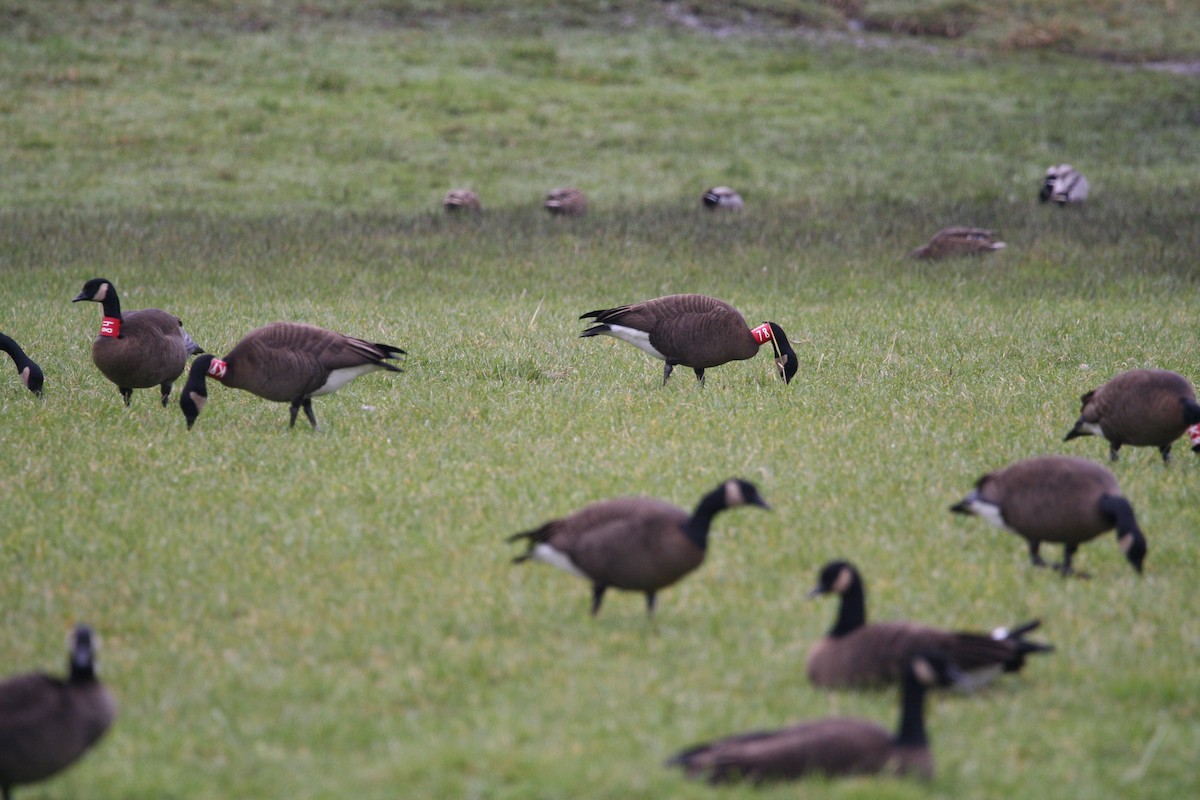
(137,349)
(692,330)
(287,362)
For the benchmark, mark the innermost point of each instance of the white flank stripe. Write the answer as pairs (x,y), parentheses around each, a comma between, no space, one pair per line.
(556,558)
(989,511)
(340,377)
(639,339)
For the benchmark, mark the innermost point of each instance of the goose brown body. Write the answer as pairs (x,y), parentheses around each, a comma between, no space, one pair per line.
(461,200)
(636,544)
(288,362)
(857,653)
(566,202)
(692,330)
(1140,408)
(958,241)
(151,348)
(47,723)
(1057,499)
(831,747)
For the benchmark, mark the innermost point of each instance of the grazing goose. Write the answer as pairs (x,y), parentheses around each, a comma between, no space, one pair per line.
(289,363)
(1057,499)
(958,241)
(48,723)
(637,544)
(693,330)
(566,202)
(30,372)
(137,349)
(1064,185)
(722,197)
(833,746)
(857,653)
(461,200)
(1140,408)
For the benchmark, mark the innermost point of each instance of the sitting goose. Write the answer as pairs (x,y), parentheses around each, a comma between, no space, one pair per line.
(958,241)
(857,653)
(694,330)
(637,544)
(722,198)
(48,723)
(461,200)
(1140,408)
(287,362)
(1064,185)
(1057,499)
(27,368)
(566,202)
(833,746)
(137,349)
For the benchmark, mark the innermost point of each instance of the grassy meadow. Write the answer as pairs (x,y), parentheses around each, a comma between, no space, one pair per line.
(286,613)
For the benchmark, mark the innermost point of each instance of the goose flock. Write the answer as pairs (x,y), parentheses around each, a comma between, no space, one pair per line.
(645,545)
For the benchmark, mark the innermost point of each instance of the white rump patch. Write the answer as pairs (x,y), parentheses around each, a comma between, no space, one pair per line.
(340,377)
(639,339)
(556,558)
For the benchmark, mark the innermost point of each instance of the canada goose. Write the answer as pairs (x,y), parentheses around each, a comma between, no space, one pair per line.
(566,202)
(832,746)
(858,653)
(1057,499)
(137,349)
(48,723)
(461,200)
(722,197)
(693,330)
(287,362)
(958,241)
(1064,184)
(637,544)
(30,372)
(1140,408)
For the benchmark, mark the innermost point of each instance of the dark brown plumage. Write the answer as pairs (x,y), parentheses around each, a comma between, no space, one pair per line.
(287,362)
(1057,499)
(1140,408)
(692,330)
(858,653)
(137,349)
(637,544)
(958,241)
(48,723)
(28,370)
(834,746)
(461,200)
(566,202)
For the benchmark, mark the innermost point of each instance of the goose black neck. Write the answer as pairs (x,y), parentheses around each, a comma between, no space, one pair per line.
(1117,509)
(111,304)
(699,523)
(911,732)
(1191,411)
(14,350)
(852,611)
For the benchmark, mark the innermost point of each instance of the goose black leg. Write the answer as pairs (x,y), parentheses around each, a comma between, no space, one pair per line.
(126,394)
(651,596)
(1034,556)
(699,374)
(308,412)
(667,367)
(1065,566)
(597,597)
(165,388)
(294,410)
(1112,451)
(1166,453)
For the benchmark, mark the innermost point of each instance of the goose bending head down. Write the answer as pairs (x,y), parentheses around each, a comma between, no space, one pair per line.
(692,330)
(1139,408)
(287,362)
(28,370)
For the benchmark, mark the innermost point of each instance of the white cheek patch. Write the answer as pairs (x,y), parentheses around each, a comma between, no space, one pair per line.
(844,579)
(199,400)
(733,494)
(340,377)
(25,377)
(639,339)
(556,558)
(101,293)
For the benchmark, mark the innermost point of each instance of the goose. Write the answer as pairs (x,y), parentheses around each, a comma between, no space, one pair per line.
(1140,408)
(857,653)
(694,330)
(1057,499)
(723,198)
(958,241)
(1064,185)
(566,202)
(137,349)
(833,746)
(461,200)
(48,723)
(637,544)
(27,368)
(287,362)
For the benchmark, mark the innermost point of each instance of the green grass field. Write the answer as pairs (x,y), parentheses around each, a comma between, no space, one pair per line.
(314,615)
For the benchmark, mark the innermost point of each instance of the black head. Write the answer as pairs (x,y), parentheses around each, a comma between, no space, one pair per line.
(95,290)
(786,360)
(836,577)
(740,492)
(81,645)
(195,391)
(1133,544)
(931,668)
(33,378)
